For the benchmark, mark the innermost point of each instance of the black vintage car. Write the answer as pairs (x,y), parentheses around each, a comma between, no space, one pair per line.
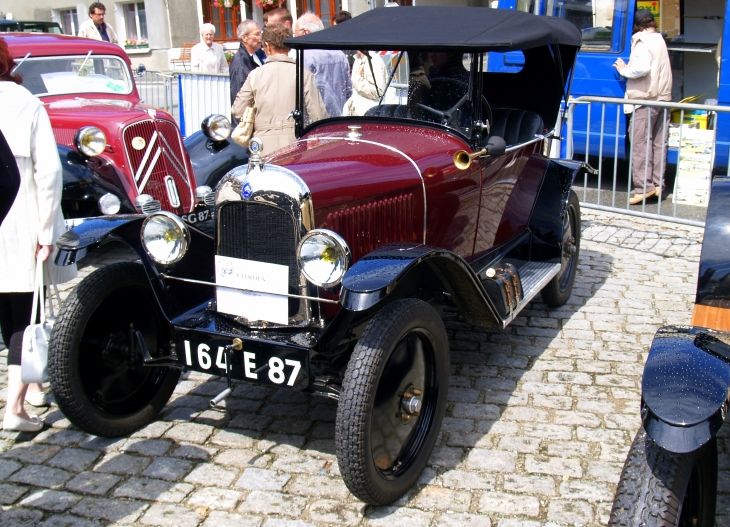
(332,257)
(671,473)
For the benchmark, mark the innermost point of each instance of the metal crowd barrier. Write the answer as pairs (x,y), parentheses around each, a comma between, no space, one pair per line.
(202,94)
(598,135)
(159,89)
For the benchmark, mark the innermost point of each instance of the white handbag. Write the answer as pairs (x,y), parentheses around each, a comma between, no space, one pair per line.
(34,354)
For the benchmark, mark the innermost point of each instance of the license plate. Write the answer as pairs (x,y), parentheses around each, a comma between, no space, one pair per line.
(198,216)
(258,361)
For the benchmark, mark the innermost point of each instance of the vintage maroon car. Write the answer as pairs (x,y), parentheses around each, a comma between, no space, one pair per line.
(332,256)
(118,154)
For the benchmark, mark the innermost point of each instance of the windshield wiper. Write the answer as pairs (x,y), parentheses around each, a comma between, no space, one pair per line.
(81,68)
(21,62)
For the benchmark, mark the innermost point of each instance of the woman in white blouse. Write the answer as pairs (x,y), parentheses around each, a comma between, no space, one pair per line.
(207,56)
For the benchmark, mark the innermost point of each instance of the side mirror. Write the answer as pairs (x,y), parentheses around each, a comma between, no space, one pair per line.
(140,71)
(496,146)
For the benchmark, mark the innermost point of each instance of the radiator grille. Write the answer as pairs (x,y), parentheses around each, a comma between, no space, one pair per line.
(367,227)
(257,232)
(64,136)
(161,156)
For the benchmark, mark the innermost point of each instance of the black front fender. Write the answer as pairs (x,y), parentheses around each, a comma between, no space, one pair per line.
(211,160)
(174,297)
(85,180)
(403,270)
(685,387)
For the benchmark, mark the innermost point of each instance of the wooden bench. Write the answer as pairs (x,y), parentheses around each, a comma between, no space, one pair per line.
(184,58)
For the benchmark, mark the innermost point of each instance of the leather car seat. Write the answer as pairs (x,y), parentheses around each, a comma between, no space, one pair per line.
(515,126)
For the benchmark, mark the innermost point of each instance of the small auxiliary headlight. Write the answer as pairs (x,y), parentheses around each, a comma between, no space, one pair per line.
(109,204)
(324,257)
(90,141)
(165,237)
(217,127)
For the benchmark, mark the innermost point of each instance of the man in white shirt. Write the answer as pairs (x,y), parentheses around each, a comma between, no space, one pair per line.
(95,27)
(649,75)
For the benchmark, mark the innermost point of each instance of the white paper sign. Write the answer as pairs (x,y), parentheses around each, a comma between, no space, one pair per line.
(261,280)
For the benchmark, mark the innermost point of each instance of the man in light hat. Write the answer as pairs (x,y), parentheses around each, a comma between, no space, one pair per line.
(649,75)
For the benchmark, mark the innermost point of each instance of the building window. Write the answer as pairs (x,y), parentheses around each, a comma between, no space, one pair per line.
(135,18)
(225,16)
(69,21)
(324,9)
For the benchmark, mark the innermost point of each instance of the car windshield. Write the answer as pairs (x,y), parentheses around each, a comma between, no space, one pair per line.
(427,86)
(75,74)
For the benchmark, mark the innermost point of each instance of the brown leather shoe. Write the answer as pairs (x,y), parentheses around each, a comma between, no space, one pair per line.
(638,198)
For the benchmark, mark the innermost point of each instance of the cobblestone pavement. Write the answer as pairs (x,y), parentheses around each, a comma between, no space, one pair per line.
(539,422)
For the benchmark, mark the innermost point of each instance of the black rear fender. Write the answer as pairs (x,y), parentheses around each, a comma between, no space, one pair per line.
(546,222)
(685,387)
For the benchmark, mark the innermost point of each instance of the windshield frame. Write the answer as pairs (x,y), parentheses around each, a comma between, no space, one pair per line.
(84,58)
(470,134)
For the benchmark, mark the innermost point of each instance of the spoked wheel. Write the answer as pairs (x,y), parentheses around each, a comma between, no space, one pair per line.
(659,488)
(393,400)
(557,292)
(97,377)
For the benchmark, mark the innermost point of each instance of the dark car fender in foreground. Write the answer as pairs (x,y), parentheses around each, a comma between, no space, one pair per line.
(671,471)
(687,376)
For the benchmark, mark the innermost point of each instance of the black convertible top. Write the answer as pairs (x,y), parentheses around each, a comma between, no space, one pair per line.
(437,27)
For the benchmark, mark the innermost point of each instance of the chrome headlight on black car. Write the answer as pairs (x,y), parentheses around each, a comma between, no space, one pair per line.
(165,237)
(217,127)
(90,141)
(324,257)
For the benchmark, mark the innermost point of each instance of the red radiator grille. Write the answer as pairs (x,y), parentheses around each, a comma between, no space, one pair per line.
(167,155)
(64,136)
(367,227)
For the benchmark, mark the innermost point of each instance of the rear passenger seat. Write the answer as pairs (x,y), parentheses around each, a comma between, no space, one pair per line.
(515,126)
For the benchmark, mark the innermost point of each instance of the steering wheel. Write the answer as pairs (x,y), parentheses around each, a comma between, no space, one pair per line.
(448,117)
(451,117)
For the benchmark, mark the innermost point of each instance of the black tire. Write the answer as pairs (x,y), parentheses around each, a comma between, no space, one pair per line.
(558,290)
(96,384)
(659,488)
(381,452)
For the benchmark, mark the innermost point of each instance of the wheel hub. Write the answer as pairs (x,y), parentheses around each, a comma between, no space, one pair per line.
(569,247)
(410,403)
(114,353)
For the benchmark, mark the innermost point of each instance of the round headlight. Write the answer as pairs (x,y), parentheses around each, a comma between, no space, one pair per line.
(324,257)
(165,237)
(109,204)
(217,127)
(90,141)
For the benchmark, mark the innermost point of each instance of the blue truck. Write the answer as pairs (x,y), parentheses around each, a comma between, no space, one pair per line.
(694,31)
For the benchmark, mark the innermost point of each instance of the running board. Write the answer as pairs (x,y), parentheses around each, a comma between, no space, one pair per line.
(534,276)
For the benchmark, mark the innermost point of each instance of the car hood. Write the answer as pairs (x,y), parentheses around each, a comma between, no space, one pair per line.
(110,115)
(385,159)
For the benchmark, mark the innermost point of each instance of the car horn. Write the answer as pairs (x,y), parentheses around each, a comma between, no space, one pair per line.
(495,147)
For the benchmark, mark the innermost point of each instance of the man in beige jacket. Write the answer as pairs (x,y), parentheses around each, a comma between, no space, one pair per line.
(96,27)
(649,75)
(271,88)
